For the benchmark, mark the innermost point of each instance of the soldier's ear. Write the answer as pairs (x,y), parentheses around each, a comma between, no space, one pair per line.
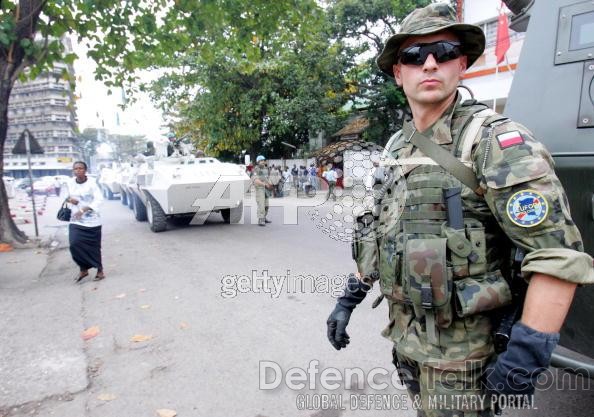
(397,75)
(463,64)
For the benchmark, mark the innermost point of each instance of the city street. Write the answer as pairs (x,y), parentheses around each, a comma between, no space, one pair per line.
(200,320)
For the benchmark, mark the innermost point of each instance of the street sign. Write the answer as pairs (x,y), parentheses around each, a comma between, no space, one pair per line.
(27,145)
(21,147)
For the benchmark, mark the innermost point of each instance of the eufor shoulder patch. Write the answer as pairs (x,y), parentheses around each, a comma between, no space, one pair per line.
(508,139)
(527,208)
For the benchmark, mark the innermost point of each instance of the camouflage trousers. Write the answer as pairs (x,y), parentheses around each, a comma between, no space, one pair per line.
(262,202)
(443,393)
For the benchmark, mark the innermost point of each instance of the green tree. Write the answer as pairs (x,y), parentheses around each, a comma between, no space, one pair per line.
(264,73)
(30,33)
(363,27)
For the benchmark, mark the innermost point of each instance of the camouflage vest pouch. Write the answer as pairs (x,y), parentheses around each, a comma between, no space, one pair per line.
(481,293)
(427,280)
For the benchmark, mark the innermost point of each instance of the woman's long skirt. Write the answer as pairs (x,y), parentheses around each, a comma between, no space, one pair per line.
(85,246)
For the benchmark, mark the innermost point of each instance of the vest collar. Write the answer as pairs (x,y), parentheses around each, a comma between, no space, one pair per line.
(440,131)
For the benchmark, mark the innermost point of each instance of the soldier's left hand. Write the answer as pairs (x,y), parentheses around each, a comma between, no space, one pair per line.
(516,370)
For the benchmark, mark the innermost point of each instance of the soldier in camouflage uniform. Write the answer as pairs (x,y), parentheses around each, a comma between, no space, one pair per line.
(262,184)
(445,285)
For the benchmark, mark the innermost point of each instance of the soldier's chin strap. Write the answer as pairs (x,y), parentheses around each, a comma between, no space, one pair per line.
(446,160)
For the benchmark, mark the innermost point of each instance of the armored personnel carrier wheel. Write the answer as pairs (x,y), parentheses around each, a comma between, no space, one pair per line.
(131,201)
(155,214)
(124,198)
(139,209)
(233,215)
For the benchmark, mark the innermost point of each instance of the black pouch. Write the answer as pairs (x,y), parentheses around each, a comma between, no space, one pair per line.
(64,213)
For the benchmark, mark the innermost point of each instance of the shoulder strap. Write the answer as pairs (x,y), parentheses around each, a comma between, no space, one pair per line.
(447,161)
(480,119)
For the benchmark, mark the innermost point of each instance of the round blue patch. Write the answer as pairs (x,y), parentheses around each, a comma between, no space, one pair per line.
(527,208)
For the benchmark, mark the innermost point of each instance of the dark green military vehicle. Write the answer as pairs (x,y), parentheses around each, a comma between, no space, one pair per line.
(552,93)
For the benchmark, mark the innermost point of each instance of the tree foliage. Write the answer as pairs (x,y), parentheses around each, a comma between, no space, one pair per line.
(363,27)
(262,73)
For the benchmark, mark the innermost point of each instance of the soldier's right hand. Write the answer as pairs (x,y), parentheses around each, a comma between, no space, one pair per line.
(337,323)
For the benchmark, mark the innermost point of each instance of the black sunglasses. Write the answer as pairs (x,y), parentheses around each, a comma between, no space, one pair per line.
(442,51)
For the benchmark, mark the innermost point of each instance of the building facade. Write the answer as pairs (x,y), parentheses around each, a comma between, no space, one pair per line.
(490,82)
(46,106)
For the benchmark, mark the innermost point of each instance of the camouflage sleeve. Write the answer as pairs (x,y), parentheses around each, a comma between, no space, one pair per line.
(365,254)
(529,203)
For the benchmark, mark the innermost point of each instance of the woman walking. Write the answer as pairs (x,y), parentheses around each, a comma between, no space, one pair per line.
(85,223)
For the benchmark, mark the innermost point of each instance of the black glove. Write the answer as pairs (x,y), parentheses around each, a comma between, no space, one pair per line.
(354,292)
(528,354)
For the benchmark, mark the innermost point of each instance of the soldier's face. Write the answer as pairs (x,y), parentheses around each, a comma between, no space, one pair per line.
(431,83)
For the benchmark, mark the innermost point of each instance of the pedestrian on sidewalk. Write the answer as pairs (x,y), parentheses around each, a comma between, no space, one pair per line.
(295,177)
(57,186)
(274,177)
(84,230)
(313,177)
(330,177)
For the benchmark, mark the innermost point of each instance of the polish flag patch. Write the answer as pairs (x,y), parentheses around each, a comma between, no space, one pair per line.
(510,139)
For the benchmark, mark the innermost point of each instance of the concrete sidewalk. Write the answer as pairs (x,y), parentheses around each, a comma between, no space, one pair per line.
(43,354)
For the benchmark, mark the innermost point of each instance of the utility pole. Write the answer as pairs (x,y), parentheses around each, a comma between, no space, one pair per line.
(27,145)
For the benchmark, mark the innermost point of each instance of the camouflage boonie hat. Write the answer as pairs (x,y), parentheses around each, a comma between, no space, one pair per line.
(429,20)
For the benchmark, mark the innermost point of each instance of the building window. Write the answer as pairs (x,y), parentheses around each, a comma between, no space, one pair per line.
(490,29)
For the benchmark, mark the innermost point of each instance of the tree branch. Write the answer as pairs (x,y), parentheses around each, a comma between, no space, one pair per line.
(371,36)
(388,24)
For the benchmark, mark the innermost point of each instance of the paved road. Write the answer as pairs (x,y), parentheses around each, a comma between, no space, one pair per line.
(195,295)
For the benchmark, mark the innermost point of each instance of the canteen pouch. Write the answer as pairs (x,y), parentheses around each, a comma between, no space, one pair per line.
(460,248)
(479,294)
(427,280)
(467,247)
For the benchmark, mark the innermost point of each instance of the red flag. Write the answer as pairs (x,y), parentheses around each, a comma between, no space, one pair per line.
(502,37)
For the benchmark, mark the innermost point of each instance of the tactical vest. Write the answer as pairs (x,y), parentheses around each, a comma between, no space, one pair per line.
(262,174)
(440,272)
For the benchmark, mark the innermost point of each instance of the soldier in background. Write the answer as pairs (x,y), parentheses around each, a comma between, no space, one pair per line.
(262,184)
(444,268)
(150,149)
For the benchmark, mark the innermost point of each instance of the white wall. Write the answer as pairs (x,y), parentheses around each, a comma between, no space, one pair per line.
(477,11)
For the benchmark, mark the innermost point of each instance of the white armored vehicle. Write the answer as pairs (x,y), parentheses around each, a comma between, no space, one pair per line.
(184,186)
(109,182)
(127,181)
